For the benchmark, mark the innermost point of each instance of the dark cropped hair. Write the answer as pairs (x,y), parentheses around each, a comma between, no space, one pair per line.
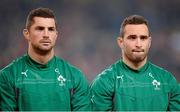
(133,19)
(39,12)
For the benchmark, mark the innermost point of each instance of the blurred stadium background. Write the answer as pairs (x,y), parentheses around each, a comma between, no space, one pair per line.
(88,30)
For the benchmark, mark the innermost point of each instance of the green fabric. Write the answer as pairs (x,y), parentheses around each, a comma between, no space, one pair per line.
(121,88)
(57,85)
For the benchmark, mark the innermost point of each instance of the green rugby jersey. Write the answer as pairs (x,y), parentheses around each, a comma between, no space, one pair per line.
(121,88)
(57,85)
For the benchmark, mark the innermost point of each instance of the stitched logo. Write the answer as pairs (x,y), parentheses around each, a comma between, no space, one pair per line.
(156,84)
(24,73)
(60,78)
(120,77)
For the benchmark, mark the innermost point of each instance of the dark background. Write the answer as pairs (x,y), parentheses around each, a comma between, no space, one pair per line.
(88,30)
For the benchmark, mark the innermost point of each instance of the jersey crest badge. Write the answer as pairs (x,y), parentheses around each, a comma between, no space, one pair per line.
(156,84)
(60,78)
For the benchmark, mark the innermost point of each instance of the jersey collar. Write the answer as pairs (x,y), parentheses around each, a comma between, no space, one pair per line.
(39,66)
(142,69)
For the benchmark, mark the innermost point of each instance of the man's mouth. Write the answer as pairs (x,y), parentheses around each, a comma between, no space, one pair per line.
(45,41)
(140,50)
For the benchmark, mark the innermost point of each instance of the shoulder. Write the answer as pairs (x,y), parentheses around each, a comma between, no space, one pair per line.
(162,73)
(105,81)
(158,69)
(67,67)
(108,75)
(73,73)
(110,71)
(9,72)
(15,64)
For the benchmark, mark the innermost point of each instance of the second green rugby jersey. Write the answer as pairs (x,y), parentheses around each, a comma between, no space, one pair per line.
(121,88)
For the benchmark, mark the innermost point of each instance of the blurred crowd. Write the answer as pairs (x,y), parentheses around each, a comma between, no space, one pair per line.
(88,30)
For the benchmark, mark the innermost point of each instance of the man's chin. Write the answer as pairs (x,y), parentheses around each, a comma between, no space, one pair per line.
(43,51)
(139,59)
(45,48)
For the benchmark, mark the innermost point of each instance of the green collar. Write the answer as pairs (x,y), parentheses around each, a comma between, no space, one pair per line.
(38,66)
(142,69)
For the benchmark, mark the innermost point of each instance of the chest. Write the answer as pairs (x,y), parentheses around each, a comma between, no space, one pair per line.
(35,89)
(141,92)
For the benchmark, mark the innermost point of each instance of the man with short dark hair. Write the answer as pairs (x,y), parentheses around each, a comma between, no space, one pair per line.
(39,80)
(133,83)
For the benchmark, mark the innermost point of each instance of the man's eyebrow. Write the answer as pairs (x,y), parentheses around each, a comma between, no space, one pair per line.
(51,27)
(132,35)
(44,27)
(39,27)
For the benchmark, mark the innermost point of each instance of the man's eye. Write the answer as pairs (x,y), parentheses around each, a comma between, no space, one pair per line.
(132,37)
(144,37)
(40,28)
(51,29)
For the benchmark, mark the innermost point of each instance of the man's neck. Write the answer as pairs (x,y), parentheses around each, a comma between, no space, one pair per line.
(42,59)
(135,65)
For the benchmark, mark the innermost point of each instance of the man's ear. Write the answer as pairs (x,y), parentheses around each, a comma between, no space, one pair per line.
(26,34)
(120,42)
(150,41)
(57,33)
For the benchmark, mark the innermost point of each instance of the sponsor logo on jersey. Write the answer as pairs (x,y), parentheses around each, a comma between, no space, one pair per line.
(24,73)
(120,77)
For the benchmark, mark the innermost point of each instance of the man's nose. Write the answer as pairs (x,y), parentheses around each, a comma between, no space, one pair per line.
(46,33)
(138,42)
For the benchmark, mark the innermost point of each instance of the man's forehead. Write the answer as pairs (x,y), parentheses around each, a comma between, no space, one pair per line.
(44,22)
(136,29)
(136,26)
